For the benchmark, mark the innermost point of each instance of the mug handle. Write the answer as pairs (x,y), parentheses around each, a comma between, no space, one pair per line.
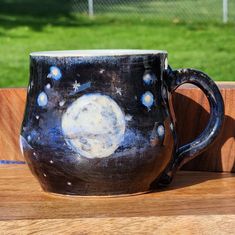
(188,151)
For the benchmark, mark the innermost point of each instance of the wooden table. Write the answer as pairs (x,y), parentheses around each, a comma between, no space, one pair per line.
(195,203)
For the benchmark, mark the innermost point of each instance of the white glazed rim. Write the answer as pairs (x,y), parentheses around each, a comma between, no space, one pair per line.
(90,53)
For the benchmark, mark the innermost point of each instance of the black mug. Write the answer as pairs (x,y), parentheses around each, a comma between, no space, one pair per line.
(98,122)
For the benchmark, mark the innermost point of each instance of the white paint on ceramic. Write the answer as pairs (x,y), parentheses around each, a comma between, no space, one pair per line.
(101,71)
(48,86)
(62,103)
(147,99)
(76,86)
(94,125)
(161,130)
(42,99)
(107,52)
(149,78)
(118,91)
(128,117)
(166,63)
(80,87)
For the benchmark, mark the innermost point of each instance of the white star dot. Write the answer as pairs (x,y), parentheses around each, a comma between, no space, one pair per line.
(51,161)
(128,117)
(161,130)
(48,86)
(76,85)
(37,117)
(61,103)
(44,174)
(102,71)
(69,183)
(118,91)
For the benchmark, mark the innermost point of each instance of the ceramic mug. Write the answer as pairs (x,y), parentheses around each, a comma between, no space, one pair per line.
(98,122)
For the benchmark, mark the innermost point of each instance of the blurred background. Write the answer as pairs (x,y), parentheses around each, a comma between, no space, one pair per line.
(196,33)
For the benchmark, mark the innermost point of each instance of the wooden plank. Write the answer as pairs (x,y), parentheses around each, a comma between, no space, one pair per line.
(196,201)
(191,108)
(190,224)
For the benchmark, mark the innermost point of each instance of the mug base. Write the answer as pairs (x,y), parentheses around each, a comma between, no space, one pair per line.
(64,195)
(97,193)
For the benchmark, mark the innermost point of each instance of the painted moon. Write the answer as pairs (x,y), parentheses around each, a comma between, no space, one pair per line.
(94,125)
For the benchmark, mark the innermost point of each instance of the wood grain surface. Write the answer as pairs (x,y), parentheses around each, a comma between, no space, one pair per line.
(12,103)
(164,225)
(196,203)
(191,110)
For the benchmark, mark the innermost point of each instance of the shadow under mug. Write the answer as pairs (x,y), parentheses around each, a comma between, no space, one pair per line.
(100,122)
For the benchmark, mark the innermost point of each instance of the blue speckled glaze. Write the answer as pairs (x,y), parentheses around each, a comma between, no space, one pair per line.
(101,124)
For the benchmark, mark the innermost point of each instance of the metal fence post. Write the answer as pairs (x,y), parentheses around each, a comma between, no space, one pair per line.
(225,11)
(90,8)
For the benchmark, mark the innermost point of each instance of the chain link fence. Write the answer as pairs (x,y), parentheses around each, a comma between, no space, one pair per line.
(170,10)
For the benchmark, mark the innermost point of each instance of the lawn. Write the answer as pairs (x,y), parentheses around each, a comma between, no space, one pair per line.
(26,28)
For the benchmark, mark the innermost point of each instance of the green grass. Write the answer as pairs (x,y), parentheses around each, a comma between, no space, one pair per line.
(45,26)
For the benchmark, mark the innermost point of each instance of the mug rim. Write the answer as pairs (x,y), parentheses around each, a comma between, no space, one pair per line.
(96,52)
